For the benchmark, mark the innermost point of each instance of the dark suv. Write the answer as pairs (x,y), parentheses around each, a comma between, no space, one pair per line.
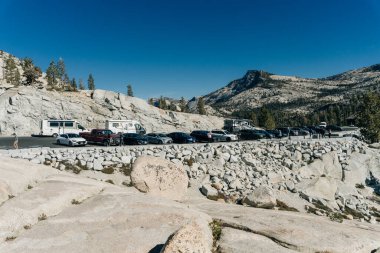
(202,136)
(179,137)
(135,139)
(250,134)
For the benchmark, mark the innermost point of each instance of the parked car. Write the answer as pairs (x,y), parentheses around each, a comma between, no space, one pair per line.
(158,138)
(101,136)
(180,137)
(334,128)
(275,133)
(135,139)
(223,135)
(300,131)
(250,134)
(71,139)
(202,136)
(286,131)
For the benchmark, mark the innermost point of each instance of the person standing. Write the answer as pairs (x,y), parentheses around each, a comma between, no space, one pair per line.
(15,141)
(329,133)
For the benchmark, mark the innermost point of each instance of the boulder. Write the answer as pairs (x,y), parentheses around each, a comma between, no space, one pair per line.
(193,237)
(319,187)
(159,177)
(374,145)
(261,197)
(209,191)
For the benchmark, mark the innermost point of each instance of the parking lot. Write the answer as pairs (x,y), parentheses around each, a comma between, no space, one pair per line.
(36,142)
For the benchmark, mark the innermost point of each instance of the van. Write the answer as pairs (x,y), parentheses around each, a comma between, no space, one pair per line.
(125,126)
(55,127)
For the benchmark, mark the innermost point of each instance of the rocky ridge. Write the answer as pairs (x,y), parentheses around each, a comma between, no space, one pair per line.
(22,109)
(258,88)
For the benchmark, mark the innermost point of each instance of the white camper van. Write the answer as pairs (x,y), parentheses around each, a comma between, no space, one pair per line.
(55,127)
(125,126)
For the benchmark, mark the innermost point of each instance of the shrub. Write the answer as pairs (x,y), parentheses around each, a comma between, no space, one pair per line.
(42,217)
(108,170)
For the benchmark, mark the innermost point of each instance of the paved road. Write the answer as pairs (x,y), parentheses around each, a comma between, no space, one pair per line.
(29,142)
(35,142)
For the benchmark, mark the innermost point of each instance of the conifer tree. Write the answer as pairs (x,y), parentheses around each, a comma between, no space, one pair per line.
(201,106)
(81,86)
(11,73)
(266,119)
(91,82)
(31,72)
(369,116)
(74,85)
(61,69)
(150,101)
(254,118)
(162,103)
(183,105)
(129,91)
(52,74)
(66,82)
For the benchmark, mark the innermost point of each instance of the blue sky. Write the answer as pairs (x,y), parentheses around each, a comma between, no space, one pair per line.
(190,48)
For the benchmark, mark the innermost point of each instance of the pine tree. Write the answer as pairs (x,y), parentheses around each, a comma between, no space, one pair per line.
(11,74)
(129,91)
(74,85)
(61,68)
(266,119)
(91,82)
(66,82)
(162,103)
(52,74)
(31,72)
(254,118)
(369,116)
(201,106)
(183,105)
(81,86)
(150,101)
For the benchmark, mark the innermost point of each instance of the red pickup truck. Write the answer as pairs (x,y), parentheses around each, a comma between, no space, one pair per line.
(101,136)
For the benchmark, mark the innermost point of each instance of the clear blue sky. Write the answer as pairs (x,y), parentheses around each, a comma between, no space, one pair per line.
(189,48)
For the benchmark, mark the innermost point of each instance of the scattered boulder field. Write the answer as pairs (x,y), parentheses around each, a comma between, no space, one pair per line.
(268,196)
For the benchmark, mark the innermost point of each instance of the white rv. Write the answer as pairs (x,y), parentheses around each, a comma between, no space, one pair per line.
(125,126)
(55,127)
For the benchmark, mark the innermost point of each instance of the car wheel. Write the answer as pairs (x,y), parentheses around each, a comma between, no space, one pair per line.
(55,135)
(58,142)
(160,142)
(106,143)
(228,139)
(71,143)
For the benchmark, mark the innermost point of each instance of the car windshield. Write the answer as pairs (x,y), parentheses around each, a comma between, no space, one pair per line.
(73,135)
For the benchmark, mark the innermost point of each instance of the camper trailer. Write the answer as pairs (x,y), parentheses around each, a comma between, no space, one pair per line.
(235,125)
(125,126)
(55,127)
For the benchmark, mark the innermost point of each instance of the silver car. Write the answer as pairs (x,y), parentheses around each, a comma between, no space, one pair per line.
(223,135)
(70,139)
(158,138)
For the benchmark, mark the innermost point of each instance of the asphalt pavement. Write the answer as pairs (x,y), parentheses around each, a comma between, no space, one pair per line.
(36,142)
(30,142)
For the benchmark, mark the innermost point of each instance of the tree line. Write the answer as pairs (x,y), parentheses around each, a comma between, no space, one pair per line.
(361,109)
(56,75)
(58,78)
